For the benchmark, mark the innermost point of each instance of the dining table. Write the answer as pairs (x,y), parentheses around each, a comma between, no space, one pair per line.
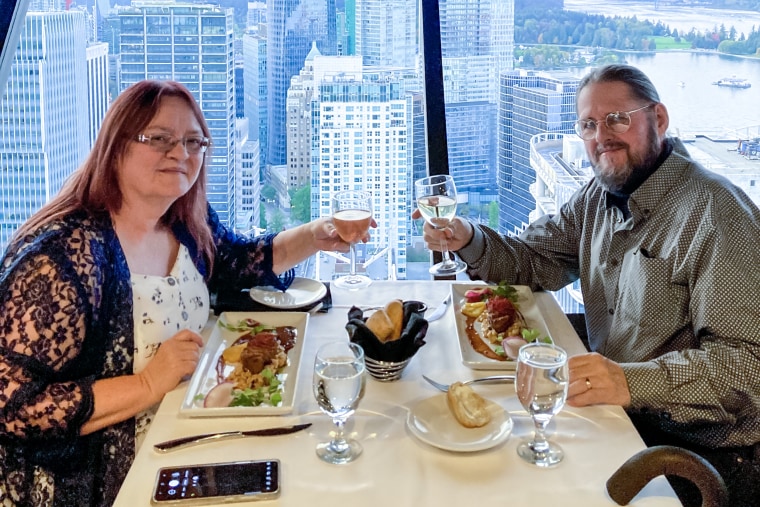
(396,468)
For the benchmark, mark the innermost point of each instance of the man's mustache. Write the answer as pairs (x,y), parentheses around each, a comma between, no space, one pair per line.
(610,146)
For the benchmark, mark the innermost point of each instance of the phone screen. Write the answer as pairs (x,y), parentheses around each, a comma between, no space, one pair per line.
(239,480)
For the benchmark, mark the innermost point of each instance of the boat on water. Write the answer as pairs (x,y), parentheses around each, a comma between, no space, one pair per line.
(733,82)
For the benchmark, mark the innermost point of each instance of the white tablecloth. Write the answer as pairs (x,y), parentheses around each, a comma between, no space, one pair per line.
(395,468)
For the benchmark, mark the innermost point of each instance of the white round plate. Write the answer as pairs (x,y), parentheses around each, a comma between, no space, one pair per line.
(302,292)
(432,422)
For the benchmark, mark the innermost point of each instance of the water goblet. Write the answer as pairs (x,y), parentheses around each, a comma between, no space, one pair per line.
(437,202)
(352,215)
(338,386)
(541,386)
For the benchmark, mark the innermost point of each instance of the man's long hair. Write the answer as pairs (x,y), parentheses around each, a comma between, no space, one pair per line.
(94,187)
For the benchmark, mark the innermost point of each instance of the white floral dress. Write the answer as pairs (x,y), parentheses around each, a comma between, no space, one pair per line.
(163,306)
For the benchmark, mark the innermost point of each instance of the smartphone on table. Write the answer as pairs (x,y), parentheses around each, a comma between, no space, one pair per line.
(214,483)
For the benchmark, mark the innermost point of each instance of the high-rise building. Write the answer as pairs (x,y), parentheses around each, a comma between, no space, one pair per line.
(360,132)
(386,32)
(561,167)
(255,100)
(299,101)
(97,87)
(44,136)
(193,44)
(292,26)
(531,103)
(477,44)
(248,187)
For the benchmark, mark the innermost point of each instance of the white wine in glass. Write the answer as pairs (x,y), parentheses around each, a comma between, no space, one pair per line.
(541,385)
(352,215)
(437,202)
(338,385)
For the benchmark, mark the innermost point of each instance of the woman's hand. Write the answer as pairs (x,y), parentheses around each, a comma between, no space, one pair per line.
(457,234)
(594,380)
(175,359)
(326,235)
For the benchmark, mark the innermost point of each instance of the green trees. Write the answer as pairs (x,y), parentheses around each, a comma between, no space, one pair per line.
(300,204)
(545,25)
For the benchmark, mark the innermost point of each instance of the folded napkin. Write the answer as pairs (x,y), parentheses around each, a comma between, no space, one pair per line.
(240,301)
(412,336)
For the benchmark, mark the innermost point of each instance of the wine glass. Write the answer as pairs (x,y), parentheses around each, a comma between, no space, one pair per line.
(338,386)
(437,202)
(352,214)
(541,386)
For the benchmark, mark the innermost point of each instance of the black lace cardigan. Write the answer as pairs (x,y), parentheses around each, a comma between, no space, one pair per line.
(65,322)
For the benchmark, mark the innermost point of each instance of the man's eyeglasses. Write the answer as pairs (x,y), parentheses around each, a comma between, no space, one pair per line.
(164,143)
(618,122)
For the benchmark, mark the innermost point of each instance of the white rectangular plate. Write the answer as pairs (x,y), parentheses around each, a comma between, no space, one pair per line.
(475,360)
(204,377)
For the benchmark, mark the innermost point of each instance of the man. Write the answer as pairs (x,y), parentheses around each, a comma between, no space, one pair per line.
(668,257)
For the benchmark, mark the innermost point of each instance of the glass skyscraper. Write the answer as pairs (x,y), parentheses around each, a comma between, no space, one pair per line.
(292,27)
(531,103)
(44,135)
(477,44)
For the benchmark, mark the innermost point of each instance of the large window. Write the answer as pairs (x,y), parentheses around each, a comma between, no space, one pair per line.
(504,130)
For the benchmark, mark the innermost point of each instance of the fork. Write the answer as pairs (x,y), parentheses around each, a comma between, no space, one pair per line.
(492,378)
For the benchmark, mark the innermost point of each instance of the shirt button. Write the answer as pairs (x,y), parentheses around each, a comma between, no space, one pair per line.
(611,311)
(171,281)
(614,262)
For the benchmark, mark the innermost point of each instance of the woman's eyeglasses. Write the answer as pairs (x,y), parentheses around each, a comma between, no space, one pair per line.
(617,122)
(164,143)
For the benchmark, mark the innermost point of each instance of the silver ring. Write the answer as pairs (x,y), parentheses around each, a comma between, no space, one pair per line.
(588,384)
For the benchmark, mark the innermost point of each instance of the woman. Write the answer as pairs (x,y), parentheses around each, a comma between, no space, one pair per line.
(119,262)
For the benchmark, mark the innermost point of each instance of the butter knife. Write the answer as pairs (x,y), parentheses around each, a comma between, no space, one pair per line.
(438,312)
(179,443)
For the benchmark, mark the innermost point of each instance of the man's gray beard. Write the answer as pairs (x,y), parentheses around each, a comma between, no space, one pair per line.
(616,178)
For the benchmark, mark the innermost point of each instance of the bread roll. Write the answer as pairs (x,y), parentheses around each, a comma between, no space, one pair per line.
(468,407)
(380,324)
(395,311)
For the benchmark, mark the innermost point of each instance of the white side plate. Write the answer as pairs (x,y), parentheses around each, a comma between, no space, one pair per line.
(205,376)
(432,422)
(470,357)
(302,292)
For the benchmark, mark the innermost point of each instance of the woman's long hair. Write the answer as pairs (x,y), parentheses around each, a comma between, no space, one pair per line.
(94,187)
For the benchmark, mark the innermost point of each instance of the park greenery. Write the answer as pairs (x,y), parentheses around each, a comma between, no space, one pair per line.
(547,36)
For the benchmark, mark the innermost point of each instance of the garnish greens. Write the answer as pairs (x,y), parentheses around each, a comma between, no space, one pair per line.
(248,325)
(269,394)
(505,290)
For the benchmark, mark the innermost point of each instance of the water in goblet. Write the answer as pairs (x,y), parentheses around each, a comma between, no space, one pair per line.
(338,387)
(437,202)
(541,385)
(352,215)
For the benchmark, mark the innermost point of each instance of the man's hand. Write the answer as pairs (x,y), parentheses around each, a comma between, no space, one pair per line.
(594,380)
(457,234)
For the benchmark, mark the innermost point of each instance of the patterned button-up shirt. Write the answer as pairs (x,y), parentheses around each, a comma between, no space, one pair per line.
(672,292)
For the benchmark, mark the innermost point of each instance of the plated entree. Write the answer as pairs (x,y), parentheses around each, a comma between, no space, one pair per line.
(494,324)
(248,370)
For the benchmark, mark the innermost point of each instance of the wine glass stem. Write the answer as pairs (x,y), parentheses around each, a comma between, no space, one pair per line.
(352,257)
(339,444)
(445,251)
(540,444)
